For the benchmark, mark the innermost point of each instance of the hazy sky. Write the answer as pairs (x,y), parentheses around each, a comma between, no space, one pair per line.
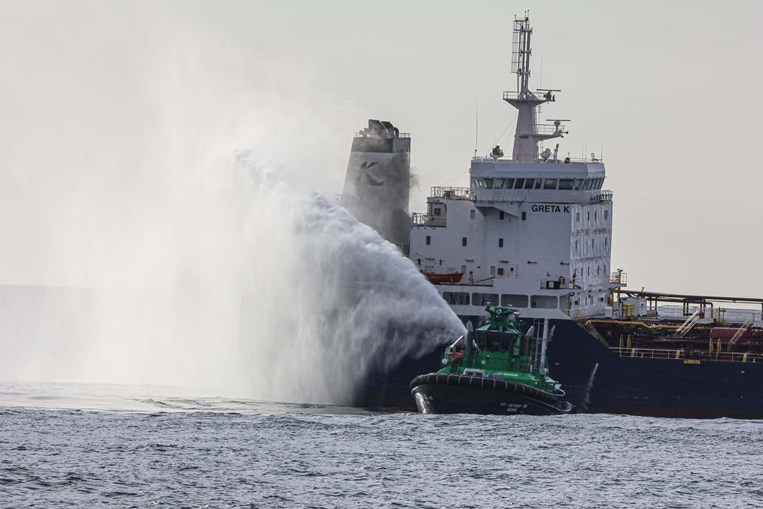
(669,90)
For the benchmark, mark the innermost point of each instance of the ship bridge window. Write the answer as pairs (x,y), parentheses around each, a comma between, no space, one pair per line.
(498,184)
(478,183)
(538,183)
(579,184)
(566,184)
(587,184)
(456,298)
(544,301)
(514,300)
(529,183)
(488,183)
(509,183)
(549,184)
(519,184)
(484,299)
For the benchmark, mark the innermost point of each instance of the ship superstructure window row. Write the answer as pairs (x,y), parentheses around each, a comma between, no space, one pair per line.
(528,183)
(506,299)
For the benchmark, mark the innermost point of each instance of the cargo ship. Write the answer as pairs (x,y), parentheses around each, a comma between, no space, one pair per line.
(533,232)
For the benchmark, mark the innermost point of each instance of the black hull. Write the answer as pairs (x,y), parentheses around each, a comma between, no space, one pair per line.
(436,393)
(598,381)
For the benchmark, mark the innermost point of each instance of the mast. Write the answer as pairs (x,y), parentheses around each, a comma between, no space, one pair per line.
(528,131)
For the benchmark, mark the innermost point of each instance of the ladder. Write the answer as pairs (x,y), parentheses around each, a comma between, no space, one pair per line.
(740,332)
(688,324)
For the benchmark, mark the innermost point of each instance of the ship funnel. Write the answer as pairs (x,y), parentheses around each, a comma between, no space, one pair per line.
(377,183)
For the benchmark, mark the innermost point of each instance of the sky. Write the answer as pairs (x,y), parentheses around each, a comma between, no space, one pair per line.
(667,92)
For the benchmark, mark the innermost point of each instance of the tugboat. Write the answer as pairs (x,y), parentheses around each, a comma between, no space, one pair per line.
(495,370)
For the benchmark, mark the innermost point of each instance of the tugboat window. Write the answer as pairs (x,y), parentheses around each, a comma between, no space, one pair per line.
(579,184)
(480,335)
(509,183)
(549,184)
(498,184)
(520,183)
(529,183)
(566,184)
(488,183)
(538,182)
(493,341)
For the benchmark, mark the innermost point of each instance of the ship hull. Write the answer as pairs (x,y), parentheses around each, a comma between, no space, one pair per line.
(596,380)
(437,393)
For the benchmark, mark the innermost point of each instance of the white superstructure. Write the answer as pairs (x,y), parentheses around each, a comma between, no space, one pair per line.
(534,230)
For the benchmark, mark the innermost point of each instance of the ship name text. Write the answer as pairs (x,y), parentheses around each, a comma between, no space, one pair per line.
(551,208)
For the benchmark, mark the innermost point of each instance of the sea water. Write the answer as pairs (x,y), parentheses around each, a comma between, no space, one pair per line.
(65,445)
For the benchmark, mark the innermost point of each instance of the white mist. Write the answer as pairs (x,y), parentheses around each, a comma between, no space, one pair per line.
(150,244)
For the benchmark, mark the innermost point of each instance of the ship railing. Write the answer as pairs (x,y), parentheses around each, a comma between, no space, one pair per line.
(538,95)
(546,129)
(559,160)
(365,133)
(619,278)
(724,315)
(455,193)
(421,219)
(601,197)
(684,355)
